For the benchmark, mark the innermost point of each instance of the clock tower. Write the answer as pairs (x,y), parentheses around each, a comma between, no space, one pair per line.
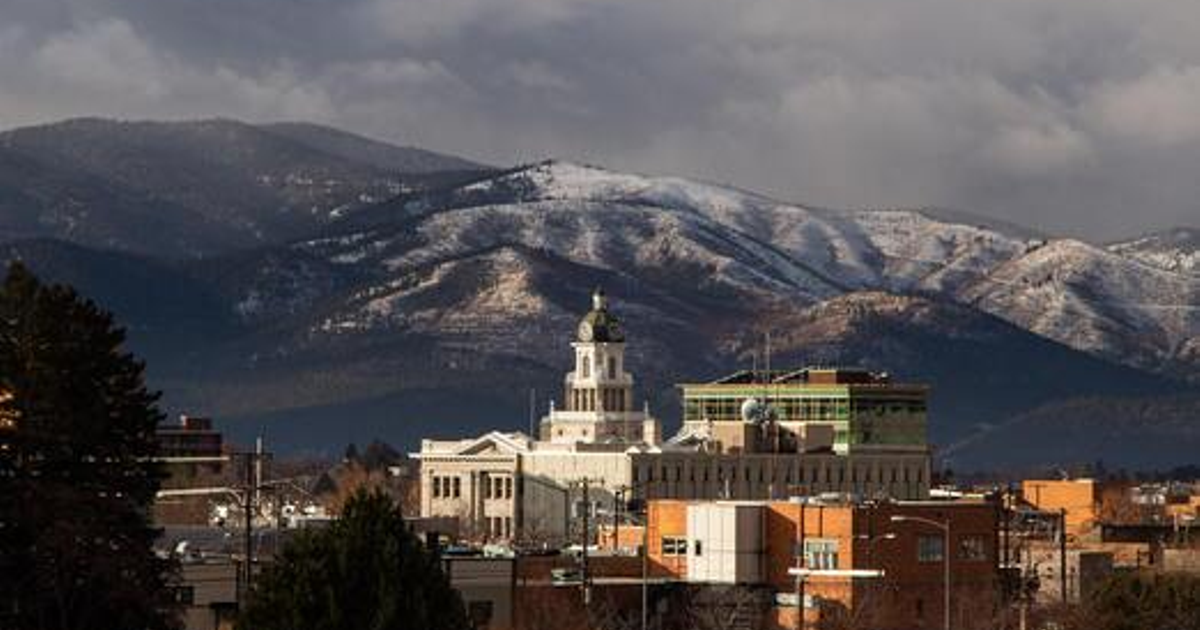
(598,393)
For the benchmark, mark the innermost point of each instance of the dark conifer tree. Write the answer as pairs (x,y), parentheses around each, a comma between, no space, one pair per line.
(365,571)
(76,473)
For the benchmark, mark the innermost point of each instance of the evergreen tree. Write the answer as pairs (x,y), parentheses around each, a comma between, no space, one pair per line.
(379,455)
(76,471)
(1130,601)
(351,454)
(365,571)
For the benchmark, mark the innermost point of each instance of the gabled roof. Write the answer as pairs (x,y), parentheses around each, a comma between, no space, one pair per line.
(496,441)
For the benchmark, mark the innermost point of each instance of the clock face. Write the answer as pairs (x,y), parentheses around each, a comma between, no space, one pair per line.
(585,331)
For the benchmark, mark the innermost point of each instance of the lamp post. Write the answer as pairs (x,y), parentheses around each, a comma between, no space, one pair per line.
(945,527)
(625,492)
(874,540)
(869,600)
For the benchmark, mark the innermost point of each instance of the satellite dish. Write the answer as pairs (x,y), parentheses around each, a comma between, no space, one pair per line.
(757,412)
(752,410)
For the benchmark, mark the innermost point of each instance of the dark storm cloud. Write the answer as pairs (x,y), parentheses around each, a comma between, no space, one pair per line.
(1073,115)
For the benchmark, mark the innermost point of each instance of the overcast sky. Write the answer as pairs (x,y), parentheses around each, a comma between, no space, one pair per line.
(1075,116)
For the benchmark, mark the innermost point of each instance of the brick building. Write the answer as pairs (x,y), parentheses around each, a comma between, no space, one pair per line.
(757,544)
(1079,498)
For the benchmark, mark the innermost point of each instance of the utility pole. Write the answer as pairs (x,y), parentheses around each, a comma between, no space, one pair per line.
(646,559)
(1062,552)
(800,564)
(248,529)
(617,495)
(587,509)
(251,498)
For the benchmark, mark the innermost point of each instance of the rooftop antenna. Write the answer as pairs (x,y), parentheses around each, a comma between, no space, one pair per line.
(770,420)
(754,365)
(532,412)
(768,353)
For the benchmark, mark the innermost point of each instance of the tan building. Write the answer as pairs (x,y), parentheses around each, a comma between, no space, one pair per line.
(1079,499)
(508,487)
(512,487)
(670,474)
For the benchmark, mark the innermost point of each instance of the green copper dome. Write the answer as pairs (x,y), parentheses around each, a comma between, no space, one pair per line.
(600,326)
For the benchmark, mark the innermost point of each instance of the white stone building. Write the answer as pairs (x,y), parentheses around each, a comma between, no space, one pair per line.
(509,486)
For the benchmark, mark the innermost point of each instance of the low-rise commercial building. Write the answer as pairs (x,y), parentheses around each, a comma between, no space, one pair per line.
(807,410)
(883,563)
(1078,499)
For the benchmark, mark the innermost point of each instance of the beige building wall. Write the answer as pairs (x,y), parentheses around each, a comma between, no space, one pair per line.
(903,476)
(480,491)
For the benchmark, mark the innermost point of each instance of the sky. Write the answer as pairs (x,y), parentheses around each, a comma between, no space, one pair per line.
(1078,117)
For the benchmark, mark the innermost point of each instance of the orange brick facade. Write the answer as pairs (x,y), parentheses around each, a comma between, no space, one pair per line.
(910,593)
(1079,497)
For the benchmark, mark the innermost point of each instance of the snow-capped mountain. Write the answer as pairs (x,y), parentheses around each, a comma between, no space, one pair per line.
(725,241)
(1176,250)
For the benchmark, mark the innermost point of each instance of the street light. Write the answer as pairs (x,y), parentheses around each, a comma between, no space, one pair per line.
(874,540)
(623,492)
(945,527)
(871,542)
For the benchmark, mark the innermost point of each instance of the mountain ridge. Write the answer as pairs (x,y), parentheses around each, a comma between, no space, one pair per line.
(237,185)
(435,309)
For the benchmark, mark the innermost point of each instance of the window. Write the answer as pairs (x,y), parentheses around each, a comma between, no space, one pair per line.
(508,488)
(674,546)
(437,487)
(821,553)
(185,595)
(697,549)
(587,368)
(612,367)
(480,614)
(457,487)
(972,548)
(931,549)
